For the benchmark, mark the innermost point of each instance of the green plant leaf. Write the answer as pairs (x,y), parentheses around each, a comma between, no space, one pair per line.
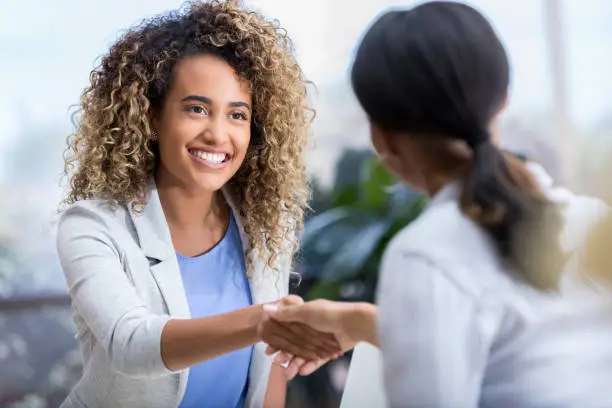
(352,255)
(345,244)
(375,181)
(321,290)
(347,197)
(319,248)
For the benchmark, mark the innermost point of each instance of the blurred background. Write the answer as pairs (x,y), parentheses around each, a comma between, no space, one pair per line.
(560,114)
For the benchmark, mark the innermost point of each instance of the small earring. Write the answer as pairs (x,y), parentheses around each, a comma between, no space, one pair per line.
(154,135)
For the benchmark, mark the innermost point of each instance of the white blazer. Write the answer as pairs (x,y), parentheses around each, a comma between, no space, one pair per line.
(125,284)
(457,330)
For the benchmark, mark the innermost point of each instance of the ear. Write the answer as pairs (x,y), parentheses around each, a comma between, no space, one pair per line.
(386,148)
(495,123)
(504,104)
(382,141)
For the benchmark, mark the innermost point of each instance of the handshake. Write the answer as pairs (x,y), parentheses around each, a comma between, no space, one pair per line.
(306,335)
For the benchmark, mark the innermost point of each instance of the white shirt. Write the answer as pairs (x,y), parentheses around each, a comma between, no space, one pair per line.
(459,330)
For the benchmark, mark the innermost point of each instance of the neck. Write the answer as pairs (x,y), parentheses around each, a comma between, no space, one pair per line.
(437,161)
(435,183)
(435,174)
(183,206)
(494,130)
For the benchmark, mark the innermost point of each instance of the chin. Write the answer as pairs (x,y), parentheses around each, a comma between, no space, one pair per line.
(210,185)
(210,182)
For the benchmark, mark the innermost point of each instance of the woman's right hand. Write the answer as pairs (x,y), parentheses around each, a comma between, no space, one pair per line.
(348,323)
(296,338)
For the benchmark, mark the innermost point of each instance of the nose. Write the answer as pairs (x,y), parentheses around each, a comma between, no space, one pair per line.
(215,130)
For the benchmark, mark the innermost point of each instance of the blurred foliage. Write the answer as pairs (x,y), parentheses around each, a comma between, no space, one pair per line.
(342,246)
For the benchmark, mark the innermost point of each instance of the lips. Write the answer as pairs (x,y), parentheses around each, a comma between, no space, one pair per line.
(211,159)
(209,156)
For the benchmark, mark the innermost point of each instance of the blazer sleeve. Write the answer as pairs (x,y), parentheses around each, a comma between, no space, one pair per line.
(433,336)
(104,297)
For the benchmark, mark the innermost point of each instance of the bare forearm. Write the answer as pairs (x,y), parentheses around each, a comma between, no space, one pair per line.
(362,322)
(187,342)
(277,388)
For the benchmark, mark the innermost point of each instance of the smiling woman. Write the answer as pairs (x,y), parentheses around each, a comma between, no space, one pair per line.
(187,190)
(205,124)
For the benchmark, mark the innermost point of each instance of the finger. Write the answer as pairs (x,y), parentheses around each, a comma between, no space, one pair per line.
(291,372)
(325,341)
(270,350)
(289,335)
(282,344)
(304,330)
(294,367)
(297,340)
(286,313)
(271,327)
(283,357)
(311,366)
(308,331)
(291,300)
(279,338)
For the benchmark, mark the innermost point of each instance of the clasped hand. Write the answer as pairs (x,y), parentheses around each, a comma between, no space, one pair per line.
(307,335)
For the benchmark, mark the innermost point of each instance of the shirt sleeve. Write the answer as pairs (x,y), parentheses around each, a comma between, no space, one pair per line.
(102,295)
(431,334)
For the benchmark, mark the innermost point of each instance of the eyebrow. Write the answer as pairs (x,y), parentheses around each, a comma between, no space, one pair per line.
(209,101)
(198,98)
(240,104)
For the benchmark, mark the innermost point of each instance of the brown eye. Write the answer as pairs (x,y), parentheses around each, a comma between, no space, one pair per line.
(239,116)
(197,109)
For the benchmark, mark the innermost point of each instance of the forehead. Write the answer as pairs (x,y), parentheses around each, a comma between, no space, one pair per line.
(210,76)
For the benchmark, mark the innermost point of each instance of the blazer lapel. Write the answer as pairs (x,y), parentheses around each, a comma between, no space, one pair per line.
(235,206)
(259,369)
(261,278)
(254,273)
(263,283)
(156,243)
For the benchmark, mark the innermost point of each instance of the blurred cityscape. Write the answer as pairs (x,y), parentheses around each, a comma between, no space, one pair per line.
(560,114)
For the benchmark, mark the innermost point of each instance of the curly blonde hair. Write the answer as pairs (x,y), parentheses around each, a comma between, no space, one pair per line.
(112,155)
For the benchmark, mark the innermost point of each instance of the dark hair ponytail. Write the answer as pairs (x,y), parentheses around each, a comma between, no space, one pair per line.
(440,69)
(500,194)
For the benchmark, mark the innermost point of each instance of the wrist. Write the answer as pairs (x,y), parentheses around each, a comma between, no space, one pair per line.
(257,315)
(361,322)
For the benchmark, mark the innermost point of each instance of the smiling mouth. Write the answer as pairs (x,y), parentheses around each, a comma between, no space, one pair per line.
(209,157)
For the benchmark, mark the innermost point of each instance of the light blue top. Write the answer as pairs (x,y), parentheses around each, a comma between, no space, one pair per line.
(216,283)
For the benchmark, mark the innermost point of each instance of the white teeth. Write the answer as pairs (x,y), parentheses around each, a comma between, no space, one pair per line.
(211,157)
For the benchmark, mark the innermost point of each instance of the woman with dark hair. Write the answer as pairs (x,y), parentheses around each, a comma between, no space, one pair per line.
(433,116)
(474,305)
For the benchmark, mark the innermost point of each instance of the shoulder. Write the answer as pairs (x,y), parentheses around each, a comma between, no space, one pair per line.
(580,213)
(444,234)
(87,213)
(93,219)
(102,209)
(450,247)
(448,282)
